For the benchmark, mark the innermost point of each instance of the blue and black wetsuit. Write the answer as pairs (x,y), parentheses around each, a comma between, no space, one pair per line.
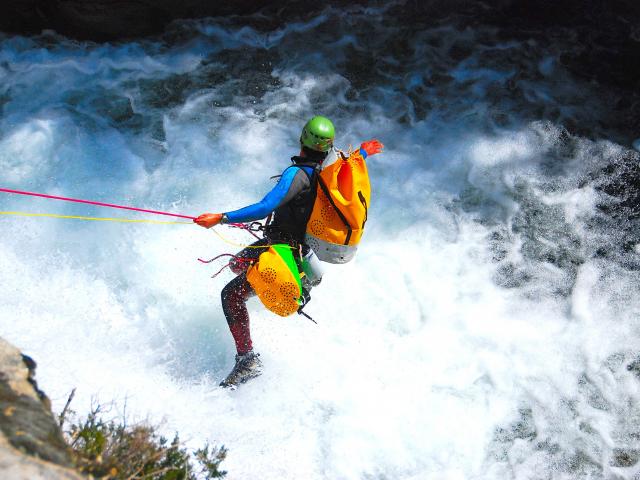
(291,202)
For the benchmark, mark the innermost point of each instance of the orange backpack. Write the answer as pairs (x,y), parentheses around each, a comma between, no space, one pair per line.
(340,210)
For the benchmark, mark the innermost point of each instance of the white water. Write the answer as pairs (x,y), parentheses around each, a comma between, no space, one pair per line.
(451,348)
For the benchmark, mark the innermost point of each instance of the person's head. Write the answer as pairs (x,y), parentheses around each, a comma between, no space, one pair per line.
(317,138)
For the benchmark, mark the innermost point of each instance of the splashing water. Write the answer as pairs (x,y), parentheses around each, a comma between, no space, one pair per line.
(488,327)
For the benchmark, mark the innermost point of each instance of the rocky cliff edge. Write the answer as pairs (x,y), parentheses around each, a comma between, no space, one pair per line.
(31,444)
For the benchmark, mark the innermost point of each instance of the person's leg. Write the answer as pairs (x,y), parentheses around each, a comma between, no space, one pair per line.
(248,364)
(246,256)
(234,296)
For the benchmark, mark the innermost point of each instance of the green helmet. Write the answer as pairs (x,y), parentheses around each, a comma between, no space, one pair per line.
(318,134)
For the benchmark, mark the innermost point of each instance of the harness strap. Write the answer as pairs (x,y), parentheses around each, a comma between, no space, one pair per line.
(306,298)
(249,227)
(300,312)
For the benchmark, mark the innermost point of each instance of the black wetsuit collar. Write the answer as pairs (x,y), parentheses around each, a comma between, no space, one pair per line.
(305,161)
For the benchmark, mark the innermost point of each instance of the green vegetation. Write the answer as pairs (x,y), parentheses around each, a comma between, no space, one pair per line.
(113,450)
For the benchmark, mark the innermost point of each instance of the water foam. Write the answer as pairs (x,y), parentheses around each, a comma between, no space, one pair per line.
(476,334)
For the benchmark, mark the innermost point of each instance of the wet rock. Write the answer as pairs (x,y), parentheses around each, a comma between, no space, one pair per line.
(625,457)
(620,181)
(634,367)
(31,443)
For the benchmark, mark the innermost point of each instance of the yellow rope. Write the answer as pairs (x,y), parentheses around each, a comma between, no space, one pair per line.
(127,220)
(101,219)
(239,244)
(225,240)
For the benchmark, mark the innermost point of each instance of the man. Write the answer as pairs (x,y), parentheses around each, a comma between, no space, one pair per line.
(291,202)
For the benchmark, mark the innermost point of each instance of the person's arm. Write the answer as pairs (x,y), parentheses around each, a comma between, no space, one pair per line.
(292,182)
(371,148)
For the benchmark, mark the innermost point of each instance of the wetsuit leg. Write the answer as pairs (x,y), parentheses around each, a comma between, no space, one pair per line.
(240,264)
(236,293)
(234,297)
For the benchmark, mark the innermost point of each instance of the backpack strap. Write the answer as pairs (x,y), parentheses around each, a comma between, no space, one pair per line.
(306,298)
(325,190)
(366,208)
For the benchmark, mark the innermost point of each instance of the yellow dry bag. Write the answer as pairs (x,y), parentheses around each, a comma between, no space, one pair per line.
(276,280)
(340,210)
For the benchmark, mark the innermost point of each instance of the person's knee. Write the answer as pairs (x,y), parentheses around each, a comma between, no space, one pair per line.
(228,298)
(234,296)
(237,266)
(224,294)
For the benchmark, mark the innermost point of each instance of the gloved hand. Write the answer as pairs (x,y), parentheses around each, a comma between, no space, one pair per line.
(208,220)
(372,147)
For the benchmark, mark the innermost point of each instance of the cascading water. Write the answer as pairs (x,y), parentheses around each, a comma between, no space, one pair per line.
(488,327)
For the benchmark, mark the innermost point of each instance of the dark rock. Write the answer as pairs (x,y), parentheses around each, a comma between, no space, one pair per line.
(103,20)
(31,366)
(108,20)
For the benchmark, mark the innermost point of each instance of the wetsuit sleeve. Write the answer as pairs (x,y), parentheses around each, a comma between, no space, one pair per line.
(291,183)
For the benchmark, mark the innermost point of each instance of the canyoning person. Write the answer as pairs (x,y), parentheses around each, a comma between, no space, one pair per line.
(289,206)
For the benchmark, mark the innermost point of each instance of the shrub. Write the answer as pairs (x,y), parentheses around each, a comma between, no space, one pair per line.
(111,450)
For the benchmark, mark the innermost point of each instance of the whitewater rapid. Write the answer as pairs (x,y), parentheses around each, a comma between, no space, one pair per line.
(478,333)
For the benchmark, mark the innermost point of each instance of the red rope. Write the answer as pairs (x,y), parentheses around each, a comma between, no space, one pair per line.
(111,205)
(235,257)
(244,226)
(216,258)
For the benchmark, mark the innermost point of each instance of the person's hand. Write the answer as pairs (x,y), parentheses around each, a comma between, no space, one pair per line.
(208,220)
(372,147)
